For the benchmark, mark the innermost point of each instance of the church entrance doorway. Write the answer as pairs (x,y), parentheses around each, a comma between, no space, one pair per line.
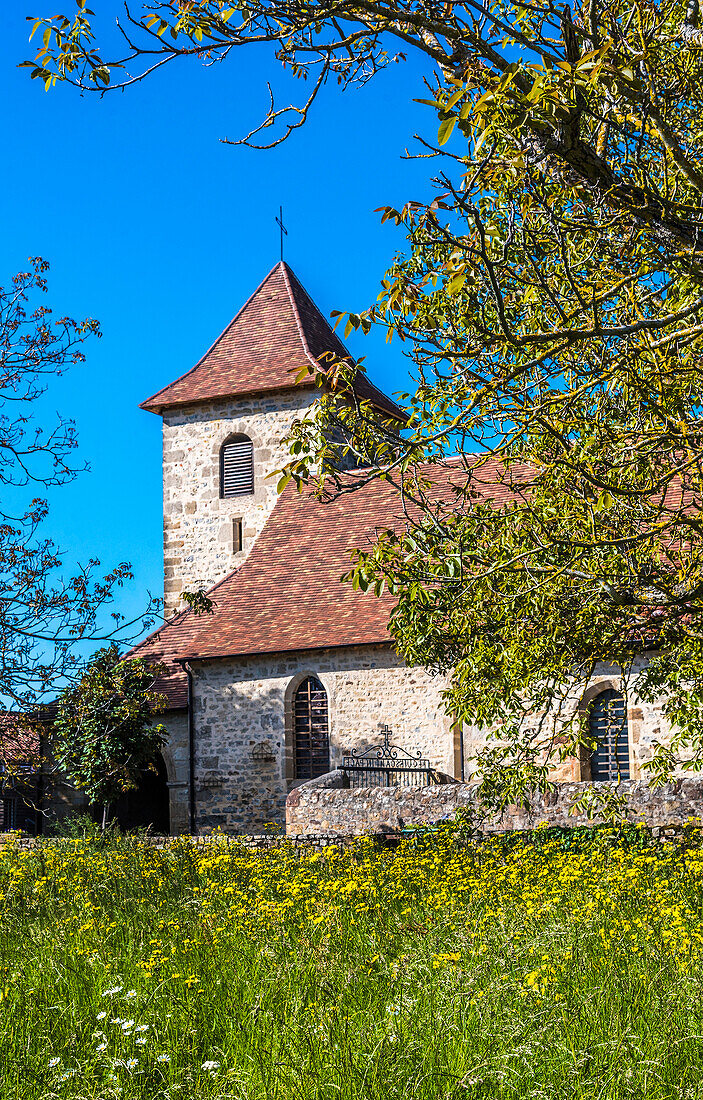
(148,805)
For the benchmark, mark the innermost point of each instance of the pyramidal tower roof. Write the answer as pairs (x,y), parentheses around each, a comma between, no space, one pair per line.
(277,333)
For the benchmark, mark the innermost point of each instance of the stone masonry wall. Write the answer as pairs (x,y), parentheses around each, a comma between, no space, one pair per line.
(324,808)
(198,531)
(245,704)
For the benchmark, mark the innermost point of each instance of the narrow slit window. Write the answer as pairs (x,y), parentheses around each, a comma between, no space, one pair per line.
(237,541)
(607,727)
(237,467)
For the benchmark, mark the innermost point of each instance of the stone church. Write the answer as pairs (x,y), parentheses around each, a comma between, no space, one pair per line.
(293,668)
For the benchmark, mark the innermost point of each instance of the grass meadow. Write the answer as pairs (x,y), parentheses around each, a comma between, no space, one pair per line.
(557,966)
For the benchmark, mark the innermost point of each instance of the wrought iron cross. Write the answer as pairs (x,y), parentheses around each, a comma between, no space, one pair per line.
(279,223)
(386,731)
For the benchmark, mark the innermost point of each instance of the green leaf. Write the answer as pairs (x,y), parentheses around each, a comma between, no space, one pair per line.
(604,502)
(456,282)
(446,129)
(455,98)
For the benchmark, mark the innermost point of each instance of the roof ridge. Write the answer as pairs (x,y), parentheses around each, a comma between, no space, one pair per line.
(221,336)
(298,323)
(360,371)
(289,271)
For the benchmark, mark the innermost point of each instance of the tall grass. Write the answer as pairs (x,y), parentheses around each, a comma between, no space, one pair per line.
(544,968)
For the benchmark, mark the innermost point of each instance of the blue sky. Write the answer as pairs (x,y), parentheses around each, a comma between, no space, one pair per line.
(156,228)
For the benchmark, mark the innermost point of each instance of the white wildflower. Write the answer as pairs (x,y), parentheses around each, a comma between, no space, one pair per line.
(101,1047)
(132,993)
(101,1015)
(211,1066)
(113,992)
(127,1025)
(164,1058)
(131,1063)
(140,1042)
(53,1062)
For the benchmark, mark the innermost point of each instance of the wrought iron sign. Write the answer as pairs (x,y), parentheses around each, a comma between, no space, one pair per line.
(388,765)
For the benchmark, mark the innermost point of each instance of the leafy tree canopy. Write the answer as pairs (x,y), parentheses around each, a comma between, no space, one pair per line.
(103,733)
(551,300)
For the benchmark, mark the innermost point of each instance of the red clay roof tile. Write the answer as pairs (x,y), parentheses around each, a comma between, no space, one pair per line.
(20,740)
(288,594)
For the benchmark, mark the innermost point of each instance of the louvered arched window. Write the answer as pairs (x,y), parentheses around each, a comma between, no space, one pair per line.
(607,727)
(237,467)
(311,745)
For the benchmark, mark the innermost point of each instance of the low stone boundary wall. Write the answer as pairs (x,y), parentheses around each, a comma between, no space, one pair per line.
(323,806)
(326,812)
(261,842)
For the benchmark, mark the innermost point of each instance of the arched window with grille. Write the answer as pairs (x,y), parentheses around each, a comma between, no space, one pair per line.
(607,728)
(237,467)
(311,737)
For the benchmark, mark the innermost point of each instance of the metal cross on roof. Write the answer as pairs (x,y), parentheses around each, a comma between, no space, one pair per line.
(279,222)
